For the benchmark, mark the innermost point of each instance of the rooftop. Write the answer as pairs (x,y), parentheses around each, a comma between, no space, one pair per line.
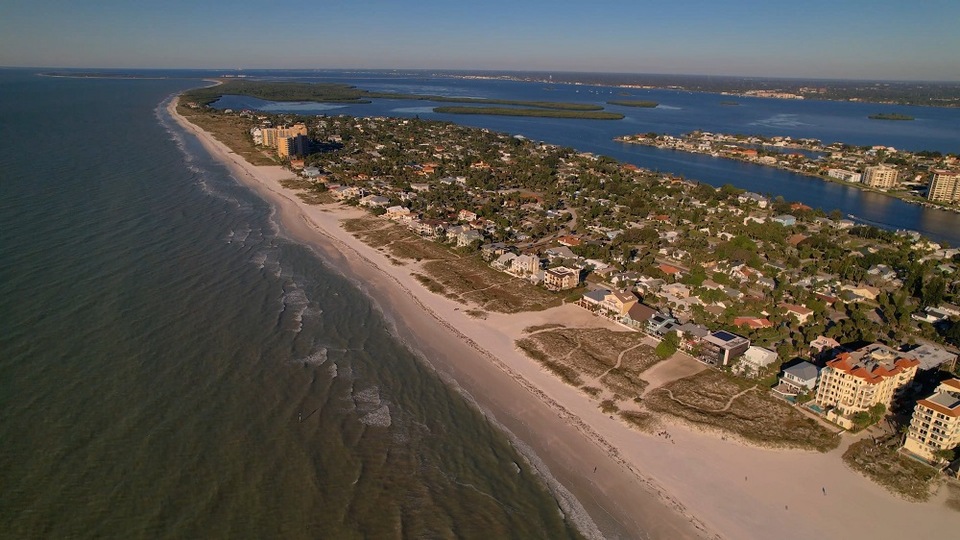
(873,363)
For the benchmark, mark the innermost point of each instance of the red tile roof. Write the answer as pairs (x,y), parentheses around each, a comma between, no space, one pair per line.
(844,362)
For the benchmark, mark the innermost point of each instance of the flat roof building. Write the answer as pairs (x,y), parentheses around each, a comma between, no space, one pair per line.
(944,187)
(721,348)
(880,176)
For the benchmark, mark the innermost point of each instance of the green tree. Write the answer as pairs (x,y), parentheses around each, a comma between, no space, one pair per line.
(668,345)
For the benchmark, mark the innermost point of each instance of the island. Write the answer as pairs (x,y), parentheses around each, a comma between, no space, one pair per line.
(633,103)
(343,93)
(658,319)
(890,116)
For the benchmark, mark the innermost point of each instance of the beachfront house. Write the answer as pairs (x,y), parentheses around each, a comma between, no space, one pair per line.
(525,264)
(504,262)
(797,379)
(722,348)
(613,304)
(754,360)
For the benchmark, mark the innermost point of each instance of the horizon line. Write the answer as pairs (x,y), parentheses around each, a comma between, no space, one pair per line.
(499,71)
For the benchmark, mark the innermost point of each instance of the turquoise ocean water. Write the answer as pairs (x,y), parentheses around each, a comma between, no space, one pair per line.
(172,367)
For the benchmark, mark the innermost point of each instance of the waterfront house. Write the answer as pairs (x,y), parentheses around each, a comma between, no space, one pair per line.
(611,303)
(638,315)
(722,348)
(797,379)
(785,219)
(374,201)
(660,324)
(754,360)
(504,261)
(525,264)
(468,237)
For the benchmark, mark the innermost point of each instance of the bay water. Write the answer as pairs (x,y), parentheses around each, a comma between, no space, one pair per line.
(678,112)
(172,367)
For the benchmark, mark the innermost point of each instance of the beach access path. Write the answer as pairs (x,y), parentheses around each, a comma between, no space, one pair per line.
(631,484)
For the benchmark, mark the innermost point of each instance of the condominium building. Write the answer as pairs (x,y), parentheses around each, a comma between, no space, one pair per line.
(297,145)
(935,424)
(271,136)
(880,176)
(856,381)
(944,187)
(845,175)
(561,278)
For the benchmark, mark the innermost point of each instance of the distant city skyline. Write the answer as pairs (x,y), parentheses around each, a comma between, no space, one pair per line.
(854,39)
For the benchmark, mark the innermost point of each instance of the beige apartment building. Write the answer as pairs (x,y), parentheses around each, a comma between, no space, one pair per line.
(880,176)
(935,424)
(561,278)
(944,187)
(292,146)
(853,382)
(272,136)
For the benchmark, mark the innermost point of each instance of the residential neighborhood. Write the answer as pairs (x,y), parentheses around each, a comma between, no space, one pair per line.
(854,325)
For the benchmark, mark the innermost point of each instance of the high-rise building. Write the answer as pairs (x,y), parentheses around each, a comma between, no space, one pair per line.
(271,136)
(856,381)
(297,145)
(880,176)
(944,187)
(935,424)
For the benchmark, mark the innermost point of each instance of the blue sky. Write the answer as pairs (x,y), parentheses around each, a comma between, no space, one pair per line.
(880,39)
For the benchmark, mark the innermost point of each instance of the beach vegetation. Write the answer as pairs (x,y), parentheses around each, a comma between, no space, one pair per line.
(233,131)
(668,345)
(610,360)
(864,419)
(881,462)
(280,91)
(640,420)
(609,406)
(729,404)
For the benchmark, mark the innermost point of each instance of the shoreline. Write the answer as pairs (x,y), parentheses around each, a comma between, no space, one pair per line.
(640,480)
(866,189)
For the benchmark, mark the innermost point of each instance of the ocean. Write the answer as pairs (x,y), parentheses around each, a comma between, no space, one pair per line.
(171,366)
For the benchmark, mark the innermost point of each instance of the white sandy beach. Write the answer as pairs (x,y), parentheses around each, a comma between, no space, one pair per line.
(697,486)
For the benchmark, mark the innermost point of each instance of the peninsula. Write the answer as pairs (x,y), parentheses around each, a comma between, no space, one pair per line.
(643,320)
(896,173)
(342,93)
